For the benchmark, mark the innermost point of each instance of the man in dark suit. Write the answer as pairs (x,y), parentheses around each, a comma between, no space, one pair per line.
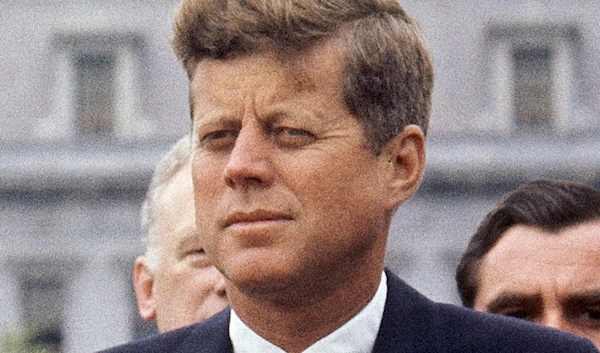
(309,122)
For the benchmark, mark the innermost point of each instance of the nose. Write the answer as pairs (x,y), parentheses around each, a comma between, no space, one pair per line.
(220,288)
(248,162)
(559,322)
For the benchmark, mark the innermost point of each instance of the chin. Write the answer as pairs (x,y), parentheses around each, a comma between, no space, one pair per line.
(258,273)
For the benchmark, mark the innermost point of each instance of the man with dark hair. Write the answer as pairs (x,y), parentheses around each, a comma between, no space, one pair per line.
(536,256)
(308,125)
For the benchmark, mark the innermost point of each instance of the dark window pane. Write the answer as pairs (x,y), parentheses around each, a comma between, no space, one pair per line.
(95,95)
(533,87)
(43,312)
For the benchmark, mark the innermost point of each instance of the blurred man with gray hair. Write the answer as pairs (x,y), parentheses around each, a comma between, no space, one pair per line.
(175,282)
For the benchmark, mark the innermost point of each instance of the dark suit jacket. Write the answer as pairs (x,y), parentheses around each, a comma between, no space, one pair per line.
(411,323)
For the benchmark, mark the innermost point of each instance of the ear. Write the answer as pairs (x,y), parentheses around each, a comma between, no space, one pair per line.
(143,283)
(405,155)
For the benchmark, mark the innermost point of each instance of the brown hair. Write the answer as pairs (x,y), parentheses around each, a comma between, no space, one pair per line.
(388,78)
(551,205)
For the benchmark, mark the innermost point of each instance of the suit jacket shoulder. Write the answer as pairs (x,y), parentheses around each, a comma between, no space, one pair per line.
(413,323)
(210,336)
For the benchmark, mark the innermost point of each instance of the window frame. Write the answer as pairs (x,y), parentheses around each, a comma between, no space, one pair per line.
(128,50)
(562,41)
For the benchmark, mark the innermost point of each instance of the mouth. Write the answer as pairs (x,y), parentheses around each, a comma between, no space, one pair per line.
(254,218)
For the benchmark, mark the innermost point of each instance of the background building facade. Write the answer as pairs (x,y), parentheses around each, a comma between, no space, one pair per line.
(91,97)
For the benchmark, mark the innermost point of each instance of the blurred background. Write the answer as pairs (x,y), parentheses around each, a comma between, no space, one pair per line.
(91,97)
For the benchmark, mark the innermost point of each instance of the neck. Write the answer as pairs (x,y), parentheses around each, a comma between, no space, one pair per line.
(299,316)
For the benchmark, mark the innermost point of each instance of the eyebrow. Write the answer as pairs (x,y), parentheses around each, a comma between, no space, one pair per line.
(217,119)
(586,298)
(511,300)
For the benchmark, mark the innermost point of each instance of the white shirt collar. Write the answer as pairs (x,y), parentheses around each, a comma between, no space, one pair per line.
(358,335)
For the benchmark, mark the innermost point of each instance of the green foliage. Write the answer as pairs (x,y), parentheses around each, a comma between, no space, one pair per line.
(24,342)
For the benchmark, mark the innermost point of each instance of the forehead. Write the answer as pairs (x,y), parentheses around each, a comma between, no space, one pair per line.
(179,189)
(536,242)
(318,68)
(530,259)
(175,204)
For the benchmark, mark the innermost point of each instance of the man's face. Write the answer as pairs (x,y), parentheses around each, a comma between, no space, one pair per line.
(551,279)
(186,287)
(286,191)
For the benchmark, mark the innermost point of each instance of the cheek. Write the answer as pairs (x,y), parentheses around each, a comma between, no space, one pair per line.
(207,187)
(350,201)
(206,183)
(165,294)
(190,283)
(339,188)
(199,286)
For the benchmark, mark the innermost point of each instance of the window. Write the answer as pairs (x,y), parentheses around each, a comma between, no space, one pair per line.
(42,299)
(96,91)
(532,90)
(95,94)
(532,70)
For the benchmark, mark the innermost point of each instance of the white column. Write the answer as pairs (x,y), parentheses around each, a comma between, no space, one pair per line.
(562,79)
(61,123)
(11,309)
(502,87)
(97,312)
(130,122)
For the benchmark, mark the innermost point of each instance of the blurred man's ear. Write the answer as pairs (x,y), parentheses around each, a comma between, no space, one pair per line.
(143,282)
(405,155)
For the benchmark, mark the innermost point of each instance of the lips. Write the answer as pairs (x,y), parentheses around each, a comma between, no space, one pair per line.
(254,217)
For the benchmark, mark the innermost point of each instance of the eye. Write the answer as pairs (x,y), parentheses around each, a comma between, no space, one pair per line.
(518,313)
(293,137)
(198,252)
(594,314)
(591,316)
(198,258)
(219,140)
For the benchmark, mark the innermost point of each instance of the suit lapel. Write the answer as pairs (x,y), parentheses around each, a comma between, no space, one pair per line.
(408,323)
